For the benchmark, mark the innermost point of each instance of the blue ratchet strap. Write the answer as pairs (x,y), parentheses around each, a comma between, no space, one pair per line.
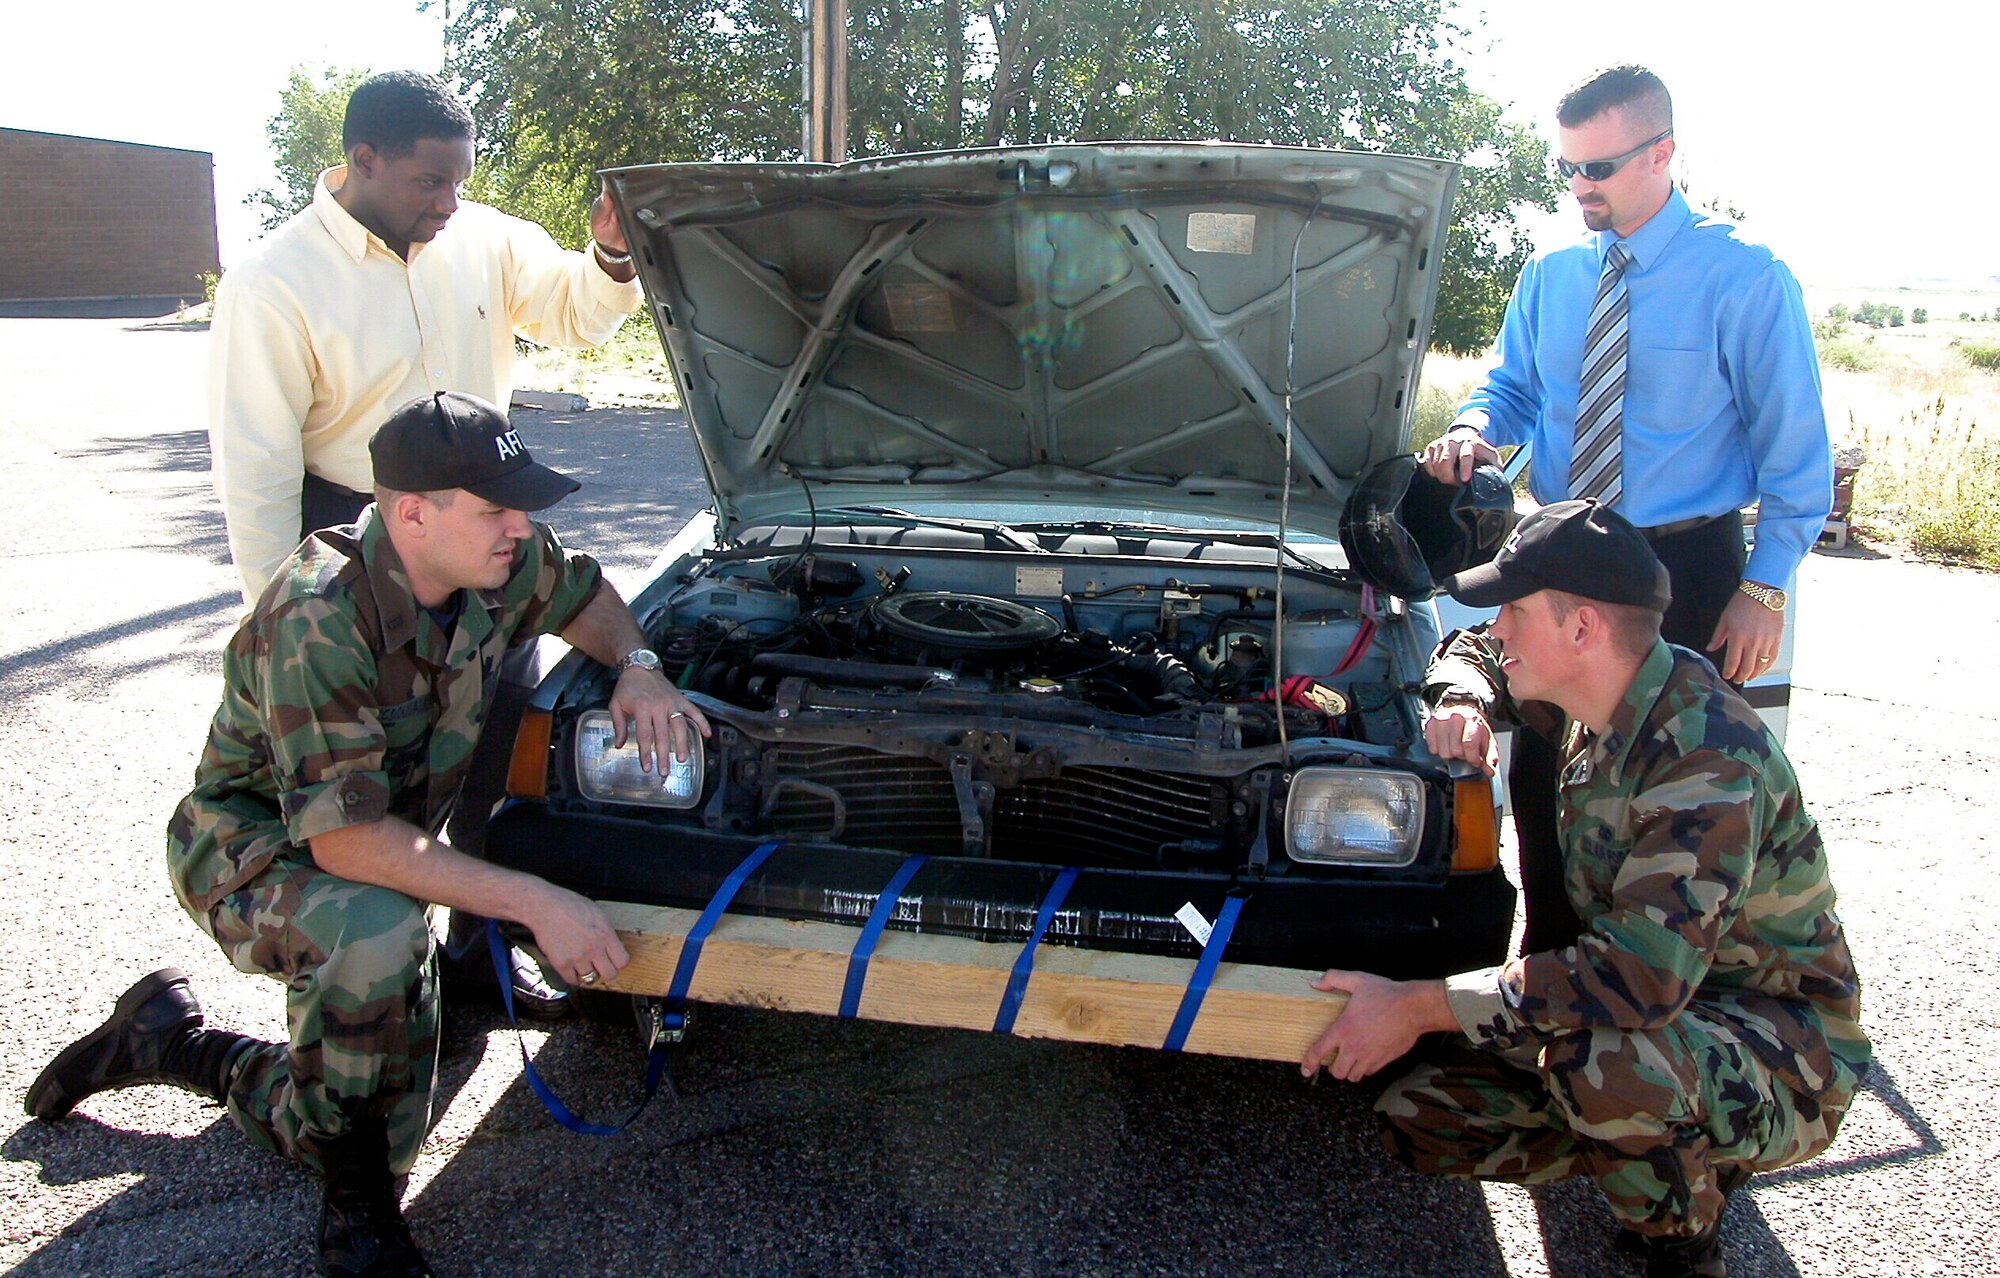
(878,918)
(1017,984)
(675,1017)
(656,1060)
(1204,972)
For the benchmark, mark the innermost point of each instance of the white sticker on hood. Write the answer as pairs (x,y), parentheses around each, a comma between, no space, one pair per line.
(1222,232)
(919,308)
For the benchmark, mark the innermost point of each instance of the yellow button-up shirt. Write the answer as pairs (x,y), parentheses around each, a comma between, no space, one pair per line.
(325,331)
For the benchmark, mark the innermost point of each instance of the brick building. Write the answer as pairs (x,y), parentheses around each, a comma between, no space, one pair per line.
(87,218)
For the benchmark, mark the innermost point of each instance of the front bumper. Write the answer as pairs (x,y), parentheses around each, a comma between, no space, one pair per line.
(1405,930)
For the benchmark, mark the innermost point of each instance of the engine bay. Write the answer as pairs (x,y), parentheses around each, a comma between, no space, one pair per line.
(1154,653)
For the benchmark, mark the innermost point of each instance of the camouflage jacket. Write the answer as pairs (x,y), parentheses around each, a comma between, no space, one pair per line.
(1696,869)
(344,702)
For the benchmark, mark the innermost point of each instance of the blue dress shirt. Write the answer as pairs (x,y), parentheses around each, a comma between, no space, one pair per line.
(1722,393)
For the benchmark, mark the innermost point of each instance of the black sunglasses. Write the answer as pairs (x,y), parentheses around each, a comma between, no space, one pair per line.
(1599,170)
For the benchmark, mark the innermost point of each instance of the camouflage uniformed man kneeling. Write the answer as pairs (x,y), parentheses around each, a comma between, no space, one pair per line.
(353,696)
(1704,1026)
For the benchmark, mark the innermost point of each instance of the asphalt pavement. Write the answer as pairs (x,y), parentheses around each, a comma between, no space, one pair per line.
(804,1146)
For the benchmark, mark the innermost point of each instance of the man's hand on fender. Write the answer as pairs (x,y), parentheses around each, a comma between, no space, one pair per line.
(1451,457)
(1461,732)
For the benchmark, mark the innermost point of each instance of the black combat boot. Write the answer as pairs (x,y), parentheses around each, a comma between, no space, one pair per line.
(361,1229)
(154,1036)
(1699,1256)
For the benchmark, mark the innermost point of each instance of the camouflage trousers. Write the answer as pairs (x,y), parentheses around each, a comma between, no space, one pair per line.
(1651,1115)
(362,1005)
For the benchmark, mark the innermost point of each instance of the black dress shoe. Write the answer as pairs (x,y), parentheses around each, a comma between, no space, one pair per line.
(154,1035)
(535,998)
(467,969)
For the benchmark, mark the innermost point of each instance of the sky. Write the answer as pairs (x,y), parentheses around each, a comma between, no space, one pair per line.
(1859,150)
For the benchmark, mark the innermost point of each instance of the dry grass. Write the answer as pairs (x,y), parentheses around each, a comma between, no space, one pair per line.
(1929,425)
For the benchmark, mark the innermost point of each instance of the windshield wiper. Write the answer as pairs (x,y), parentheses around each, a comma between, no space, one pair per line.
(984,527)
(1238,538)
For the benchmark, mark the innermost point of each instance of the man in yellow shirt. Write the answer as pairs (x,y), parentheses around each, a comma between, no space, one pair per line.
(387,288)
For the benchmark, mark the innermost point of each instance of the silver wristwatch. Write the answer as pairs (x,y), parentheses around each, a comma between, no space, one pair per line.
(644,658)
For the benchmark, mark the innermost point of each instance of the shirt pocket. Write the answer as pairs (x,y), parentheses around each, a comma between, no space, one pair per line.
(406,732)
(1673,391)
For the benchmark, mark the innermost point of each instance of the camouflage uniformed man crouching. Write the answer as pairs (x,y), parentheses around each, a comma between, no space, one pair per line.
(1705,1024)
(354,694)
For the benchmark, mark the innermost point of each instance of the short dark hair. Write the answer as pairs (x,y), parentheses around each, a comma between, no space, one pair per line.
(1634,628)
(391,111)
(1635,88)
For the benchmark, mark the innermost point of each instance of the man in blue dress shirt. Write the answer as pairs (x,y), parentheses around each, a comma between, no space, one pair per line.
(1715,397)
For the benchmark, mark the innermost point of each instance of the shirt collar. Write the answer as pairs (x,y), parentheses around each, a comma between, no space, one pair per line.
(1647,243)
(354,239)
(1613,748)
(395,602)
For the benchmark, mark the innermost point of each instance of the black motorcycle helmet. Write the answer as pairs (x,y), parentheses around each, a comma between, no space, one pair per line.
(1404,531)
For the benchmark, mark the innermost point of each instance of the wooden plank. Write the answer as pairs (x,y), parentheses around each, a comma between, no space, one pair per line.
(1086,996)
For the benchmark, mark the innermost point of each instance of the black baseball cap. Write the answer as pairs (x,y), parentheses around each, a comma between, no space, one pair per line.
(454,440)
(1578,547)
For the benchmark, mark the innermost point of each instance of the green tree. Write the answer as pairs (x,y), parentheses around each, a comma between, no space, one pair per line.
(305,138)
(564,87)
(1920,316)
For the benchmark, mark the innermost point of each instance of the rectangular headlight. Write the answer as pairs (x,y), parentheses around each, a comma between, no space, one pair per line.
(613,774)
(1354,816)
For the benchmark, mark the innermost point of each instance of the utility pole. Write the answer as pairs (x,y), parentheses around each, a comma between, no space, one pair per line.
(826,81)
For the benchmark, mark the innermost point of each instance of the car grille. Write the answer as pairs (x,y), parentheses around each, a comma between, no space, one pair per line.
(1120,816)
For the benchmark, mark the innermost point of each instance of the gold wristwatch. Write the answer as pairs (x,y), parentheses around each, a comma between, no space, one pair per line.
(1770,596)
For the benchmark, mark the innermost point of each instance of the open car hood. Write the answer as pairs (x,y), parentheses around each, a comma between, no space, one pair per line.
(1094,325)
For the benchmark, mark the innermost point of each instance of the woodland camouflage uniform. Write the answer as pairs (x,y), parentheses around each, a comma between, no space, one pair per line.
(345,702)
(1706,1021)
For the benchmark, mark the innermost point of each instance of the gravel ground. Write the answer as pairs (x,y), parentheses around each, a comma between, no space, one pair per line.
(805,1146)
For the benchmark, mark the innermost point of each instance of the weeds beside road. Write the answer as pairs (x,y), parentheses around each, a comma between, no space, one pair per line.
(809,1146)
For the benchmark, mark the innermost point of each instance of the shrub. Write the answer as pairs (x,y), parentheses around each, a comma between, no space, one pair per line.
(1980,354)
(1965,525)
(1850,355)
(1934,477)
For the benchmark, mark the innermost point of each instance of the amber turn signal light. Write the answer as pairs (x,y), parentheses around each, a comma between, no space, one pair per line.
(528,767)
(1478,824)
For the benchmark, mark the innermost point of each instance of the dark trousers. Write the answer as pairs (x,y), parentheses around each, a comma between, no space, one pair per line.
(1704,565)
(325,504)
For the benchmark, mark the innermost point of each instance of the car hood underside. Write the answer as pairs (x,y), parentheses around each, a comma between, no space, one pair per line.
(1105,325)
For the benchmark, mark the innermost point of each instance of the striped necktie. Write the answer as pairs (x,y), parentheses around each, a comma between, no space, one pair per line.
(1595,469)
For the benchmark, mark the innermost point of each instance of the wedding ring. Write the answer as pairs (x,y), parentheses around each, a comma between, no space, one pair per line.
(588,978)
